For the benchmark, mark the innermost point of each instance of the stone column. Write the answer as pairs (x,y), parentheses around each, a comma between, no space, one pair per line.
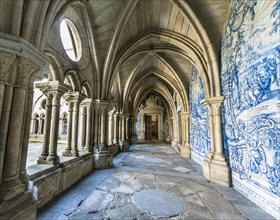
(96,127)
(83,126)
(69,130)
(28,113)
(40,126)
(75,125)
(174,141)
(127,127)
(120,127)
(16,73)
(103,126)
(133,130)
(102,156)
(142,127)
(110,128)
(215,166)
(88,147)
(53,157)
(115,121)
(11,185)
(185,148)
(46,137)
(160,127)
(123,127)
(74,99)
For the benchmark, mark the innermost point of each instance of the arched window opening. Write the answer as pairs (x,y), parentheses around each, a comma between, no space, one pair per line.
(64,124)
(71,40)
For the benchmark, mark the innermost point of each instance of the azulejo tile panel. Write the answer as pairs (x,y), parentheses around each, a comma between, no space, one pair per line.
(250,72)
(199,122)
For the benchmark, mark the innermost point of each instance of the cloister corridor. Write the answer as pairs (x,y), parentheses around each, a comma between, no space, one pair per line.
(156,168)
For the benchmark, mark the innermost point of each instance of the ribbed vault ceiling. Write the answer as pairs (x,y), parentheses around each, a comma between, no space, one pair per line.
(133,46)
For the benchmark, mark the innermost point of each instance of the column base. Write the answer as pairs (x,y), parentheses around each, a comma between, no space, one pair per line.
(113,149)
(168,139)
(88,148)
(42,158)
(124,146)
(70,153)
(217,170)
(11,189)
(174,142)
(186,151)
(133,140)
(53,159)
(206,166)
(102,160)
(21,207)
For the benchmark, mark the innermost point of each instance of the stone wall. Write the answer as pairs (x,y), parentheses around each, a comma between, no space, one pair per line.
(199,122)
(49,181)
(250,66)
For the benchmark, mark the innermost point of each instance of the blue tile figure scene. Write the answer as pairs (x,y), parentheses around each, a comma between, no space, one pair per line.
(250,72)
(199,120)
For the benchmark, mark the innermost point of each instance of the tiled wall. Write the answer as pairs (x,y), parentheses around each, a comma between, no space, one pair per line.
(250,69)
(199,122)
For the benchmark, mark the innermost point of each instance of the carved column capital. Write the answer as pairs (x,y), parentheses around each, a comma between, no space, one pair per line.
(7,67)
(27,70)
(213,104)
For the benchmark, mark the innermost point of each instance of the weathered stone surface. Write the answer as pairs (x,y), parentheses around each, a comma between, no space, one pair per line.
(159,203)
(108,194)
(102,160)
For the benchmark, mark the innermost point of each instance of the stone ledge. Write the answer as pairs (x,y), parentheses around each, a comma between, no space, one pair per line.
(51,180)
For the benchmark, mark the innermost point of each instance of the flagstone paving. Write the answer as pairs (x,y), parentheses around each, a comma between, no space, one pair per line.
(150,182)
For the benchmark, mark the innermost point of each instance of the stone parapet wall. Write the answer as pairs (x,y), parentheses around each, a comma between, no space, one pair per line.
(54,180)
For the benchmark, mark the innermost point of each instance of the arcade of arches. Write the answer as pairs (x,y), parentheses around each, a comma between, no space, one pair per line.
(82,80)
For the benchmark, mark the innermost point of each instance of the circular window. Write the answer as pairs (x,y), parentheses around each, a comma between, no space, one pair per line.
(71,40)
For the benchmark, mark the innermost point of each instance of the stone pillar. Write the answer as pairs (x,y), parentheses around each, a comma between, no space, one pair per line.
(88,147)
(174,141)
(16,73)
(120,127)
(75,126)
(110,128)
(170,123)
(28,113)
(160,127)
(96,127)
(103,126)
(127,127)
(53,91)
(116,130)
(215,165)
(142,127)
(53,157)
(123,127)
(83,127)
(74,99)
(11,185)
(47,127)
(133,130)
(40,126)
(102,158)
(69,130)
(123,143)
(185,148)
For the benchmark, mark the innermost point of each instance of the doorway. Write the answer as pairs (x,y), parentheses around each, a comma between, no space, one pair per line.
(151,127)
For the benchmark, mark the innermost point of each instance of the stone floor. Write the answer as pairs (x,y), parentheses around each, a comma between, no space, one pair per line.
(150,182)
